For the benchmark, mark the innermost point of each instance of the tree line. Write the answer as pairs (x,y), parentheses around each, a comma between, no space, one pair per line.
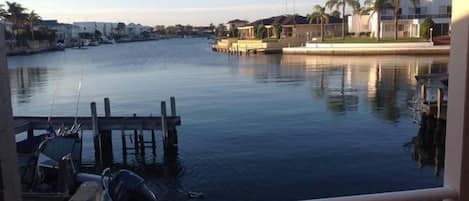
(23,22)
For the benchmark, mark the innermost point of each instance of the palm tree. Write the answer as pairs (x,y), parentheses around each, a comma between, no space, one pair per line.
(319,13)
(340,4)
(359,10)
(396,5)
(16,14)
(32,18)
(376,6)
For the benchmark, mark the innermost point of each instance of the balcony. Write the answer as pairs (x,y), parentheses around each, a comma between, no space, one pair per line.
(416,16)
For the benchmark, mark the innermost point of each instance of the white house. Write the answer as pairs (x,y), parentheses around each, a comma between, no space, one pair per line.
(410,19)
(106,28)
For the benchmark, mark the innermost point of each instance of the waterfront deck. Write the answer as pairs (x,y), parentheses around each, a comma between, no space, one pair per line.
(102,127)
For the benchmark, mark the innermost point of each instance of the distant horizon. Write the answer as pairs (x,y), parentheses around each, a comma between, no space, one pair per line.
(152,13)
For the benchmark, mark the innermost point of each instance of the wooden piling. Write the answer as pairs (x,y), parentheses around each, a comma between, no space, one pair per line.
(164,125)
(136,139)
(439,102)
(106,137)
(173,106)
(96,137)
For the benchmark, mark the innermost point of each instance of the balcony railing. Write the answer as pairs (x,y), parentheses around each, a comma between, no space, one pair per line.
(431,194)
(416,16)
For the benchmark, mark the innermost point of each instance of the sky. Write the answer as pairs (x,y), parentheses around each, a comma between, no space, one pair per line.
(165,12)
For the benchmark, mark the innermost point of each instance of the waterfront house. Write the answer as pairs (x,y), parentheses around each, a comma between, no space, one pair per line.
(410,19)
(293,26)
(63,32)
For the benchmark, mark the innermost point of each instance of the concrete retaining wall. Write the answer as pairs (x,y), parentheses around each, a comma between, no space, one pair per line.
(370,45)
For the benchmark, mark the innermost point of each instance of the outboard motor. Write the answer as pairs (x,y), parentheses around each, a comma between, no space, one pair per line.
(126,186)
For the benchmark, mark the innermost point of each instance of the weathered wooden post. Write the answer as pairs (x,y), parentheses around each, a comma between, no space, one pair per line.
(136,139)
(164,125)
(106,137)
(439,102)
(96,137)
(172,132)
(30,133)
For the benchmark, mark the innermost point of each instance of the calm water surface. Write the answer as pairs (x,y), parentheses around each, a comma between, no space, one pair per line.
(254,128)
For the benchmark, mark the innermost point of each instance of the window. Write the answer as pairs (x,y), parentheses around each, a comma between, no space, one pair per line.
(388,28)
(400,27)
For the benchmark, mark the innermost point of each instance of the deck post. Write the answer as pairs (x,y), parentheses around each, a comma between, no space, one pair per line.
(106,137)
(172,132)
(124,143)
(96,137)
(10,188)
(153,142)
(30,133)
(457,141)
(136,139)
(142,142)
(173,106)
(164,125)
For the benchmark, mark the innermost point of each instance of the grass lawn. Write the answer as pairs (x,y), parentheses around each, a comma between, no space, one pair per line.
(371,40)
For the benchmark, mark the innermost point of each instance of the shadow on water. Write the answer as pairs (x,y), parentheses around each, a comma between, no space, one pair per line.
(428,147)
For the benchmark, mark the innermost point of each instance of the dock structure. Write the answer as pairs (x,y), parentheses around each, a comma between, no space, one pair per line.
(102,128)
(433,107)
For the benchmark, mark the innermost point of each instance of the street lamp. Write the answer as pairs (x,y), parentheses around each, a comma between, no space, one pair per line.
(431,34)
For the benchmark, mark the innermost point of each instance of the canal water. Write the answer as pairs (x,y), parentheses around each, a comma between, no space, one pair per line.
(266,127)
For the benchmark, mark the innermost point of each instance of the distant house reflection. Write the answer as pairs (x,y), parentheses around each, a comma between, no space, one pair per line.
(383,83)
(25,81)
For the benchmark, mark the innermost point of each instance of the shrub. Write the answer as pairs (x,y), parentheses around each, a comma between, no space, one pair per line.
(425,28)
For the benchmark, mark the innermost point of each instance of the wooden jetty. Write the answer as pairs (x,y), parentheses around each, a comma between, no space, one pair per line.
(102,127)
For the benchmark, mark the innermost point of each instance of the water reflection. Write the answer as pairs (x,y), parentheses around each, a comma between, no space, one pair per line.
(428,146)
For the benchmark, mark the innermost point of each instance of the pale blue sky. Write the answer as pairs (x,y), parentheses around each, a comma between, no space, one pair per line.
(167,12)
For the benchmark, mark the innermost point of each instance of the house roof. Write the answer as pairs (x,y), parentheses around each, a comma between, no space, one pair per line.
(289,20)
(237,21)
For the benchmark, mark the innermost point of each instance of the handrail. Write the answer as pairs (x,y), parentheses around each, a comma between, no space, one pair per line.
(431,194)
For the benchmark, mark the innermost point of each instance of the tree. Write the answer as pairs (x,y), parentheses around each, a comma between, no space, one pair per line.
(261,32)
(425,28)
(319,13)
(376,6)
(359,10)
(32,18)
(336,13)
(340,4)
(3,12)
(396,5)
